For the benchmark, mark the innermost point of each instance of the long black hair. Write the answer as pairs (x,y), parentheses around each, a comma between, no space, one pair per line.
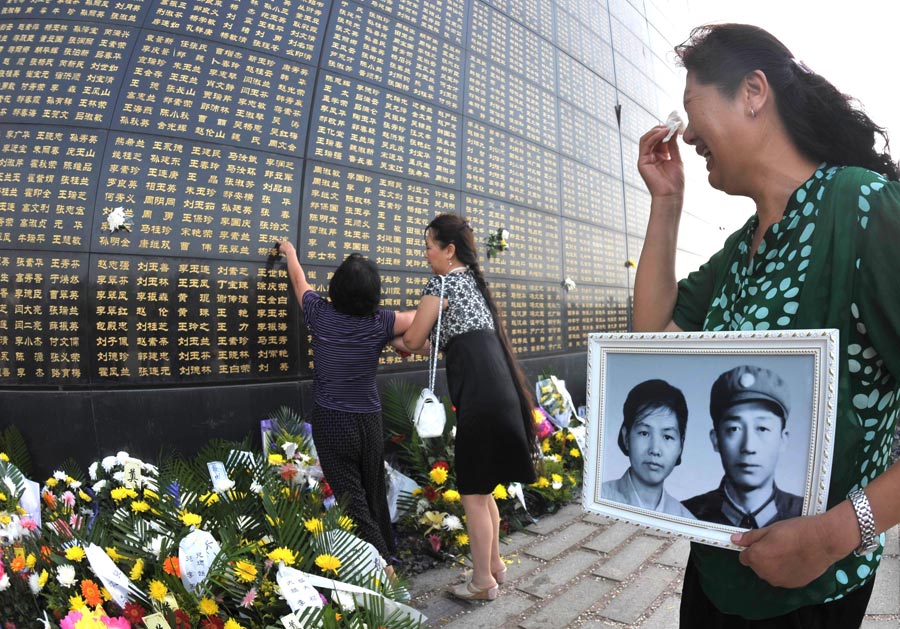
(824,124)
(447,229)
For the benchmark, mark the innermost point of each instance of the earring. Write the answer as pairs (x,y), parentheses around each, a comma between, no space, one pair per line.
(752,113)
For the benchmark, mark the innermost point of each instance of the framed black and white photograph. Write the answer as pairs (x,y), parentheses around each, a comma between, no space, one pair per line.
(704,434)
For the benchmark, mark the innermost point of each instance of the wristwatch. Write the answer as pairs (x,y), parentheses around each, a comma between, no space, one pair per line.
(869,541)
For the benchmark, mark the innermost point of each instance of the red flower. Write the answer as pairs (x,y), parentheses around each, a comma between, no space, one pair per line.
(326,489)
(171,566)
(212,622)
(134,613)
(182,620)
(398,438)
(435,542)
(442,464)
(431,493)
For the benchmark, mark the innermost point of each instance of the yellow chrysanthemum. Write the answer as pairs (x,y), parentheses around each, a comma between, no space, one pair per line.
(69,480)
(190,519)
(284,555)
(314,525)
(113,554)
(5,519)
(84,496)
(545,446)
(556,478)
(417,491)
(2,497)
(3,457)
(276,459)
(42,579)
(75,553)
(346,522)
(121,493)
(451,495)
(570,437)
(538,416)
(500,493)
(207,606)
(559,436)
(244,571)
(231,623)
(150,494)
(105,594)
(438,475)
(30,560)
(575,453)
(140,506)
(51,482)
(76,602)
(542,482)
(462,539)
(328,563)
(209,499)
(137,570)
(158,590)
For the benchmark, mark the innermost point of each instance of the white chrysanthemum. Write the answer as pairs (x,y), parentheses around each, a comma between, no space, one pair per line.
(4,583)
(222,485)
(33,583)
(92,470)
(108,463)
(256,488)
(290,448)
(421,506)
(75,484)
(65,575)
(453,432)
(99,486)
(122,457)
(556,485)
(59,475)
(504,234)
(451,523)
(119,476)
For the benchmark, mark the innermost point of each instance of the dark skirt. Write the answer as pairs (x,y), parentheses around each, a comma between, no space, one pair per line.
(491,446)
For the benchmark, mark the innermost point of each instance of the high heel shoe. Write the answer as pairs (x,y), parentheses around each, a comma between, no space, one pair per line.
(500,577)
(469,592)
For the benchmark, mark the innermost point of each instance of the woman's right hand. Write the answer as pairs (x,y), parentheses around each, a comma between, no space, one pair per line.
(660,165)
(285,247)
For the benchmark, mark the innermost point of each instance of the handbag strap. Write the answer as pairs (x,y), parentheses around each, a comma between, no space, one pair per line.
(432,354)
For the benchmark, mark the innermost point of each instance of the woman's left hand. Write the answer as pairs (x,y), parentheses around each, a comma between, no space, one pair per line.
(790,553)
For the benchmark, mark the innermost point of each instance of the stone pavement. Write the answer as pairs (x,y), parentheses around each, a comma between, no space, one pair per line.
(573,569)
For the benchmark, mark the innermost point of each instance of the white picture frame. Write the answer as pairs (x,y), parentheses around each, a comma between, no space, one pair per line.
(805,368)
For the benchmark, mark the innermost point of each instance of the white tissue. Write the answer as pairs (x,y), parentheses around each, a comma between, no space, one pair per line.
(675,125)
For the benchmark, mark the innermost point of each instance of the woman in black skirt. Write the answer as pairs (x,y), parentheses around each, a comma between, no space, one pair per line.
(495,427)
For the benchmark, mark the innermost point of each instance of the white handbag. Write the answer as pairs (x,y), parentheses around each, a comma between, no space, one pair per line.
(429,417)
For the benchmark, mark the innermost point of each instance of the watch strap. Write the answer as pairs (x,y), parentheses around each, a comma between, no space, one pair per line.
(868,539)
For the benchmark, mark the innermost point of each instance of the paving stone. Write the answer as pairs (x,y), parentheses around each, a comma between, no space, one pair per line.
(518,566)
(571,603)
(516,542)
(627,559)
(561,541)
(442,608)
(558,573)
(596,518)
(612,537)
(632,602)
(891,545)
(433,580)
(676,555)
(873,623)
(665,616)
(887,585)
(551,523)
(598,623)
(502,612)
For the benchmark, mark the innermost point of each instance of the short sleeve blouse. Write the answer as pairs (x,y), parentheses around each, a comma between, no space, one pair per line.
(467,311)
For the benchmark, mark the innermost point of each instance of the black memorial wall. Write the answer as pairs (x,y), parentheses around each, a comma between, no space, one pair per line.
(219,126)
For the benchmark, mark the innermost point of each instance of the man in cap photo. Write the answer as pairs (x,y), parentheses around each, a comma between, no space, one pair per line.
(749,406)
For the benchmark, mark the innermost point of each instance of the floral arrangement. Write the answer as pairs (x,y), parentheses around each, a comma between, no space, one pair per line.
(434,510)
(231,539)
(496,242)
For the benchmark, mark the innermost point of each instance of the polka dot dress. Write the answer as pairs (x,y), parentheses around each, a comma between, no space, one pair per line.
(766,292)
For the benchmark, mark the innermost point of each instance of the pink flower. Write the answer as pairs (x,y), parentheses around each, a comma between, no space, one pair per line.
(69,621)
(249,597)
(68,499)
(435,542)
(116,623)
(28,524)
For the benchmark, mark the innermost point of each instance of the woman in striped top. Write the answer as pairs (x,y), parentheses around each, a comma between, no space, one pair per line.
(348,334)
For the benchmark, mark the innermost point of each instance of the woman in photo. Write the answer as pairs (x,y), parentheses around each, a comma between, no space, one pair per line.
(652,437)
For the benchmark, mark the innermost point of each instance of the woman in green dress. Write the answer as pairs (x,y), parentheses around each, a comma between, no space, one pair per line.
(819,252)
